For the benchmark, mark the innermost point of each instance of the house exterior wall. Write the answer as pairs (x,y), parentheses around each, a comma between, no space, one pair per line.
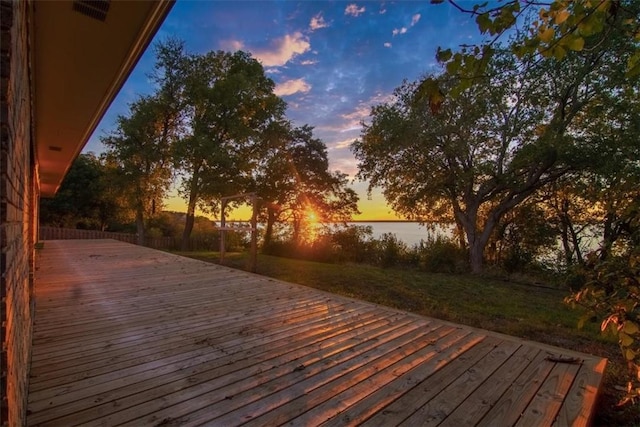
(18,210)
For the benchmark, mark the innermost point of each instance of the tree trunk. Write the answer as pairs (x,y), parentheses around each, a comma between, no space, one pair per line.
(564,236)
(189,221)
(477,239)
(460,234)
(140,226)
(476,246)
(576,243)
(268,232)
(476,250)
(609,235)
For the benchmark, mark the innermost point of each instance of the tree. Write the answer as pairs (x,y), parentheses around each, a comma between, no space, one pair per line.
(227,102)
(293,180)
(84,199)
(483,152)
(139,150)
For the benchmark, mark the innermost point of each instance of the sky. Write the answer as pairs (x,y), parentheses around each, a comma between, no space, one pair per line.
(331,62)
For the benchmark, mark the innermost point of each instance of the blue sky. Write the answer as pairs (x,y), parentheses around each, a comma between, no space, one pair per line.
(331,60)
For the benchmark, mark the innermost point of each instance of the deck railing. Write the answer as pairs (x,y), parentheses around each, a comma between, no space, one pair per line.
(164,243)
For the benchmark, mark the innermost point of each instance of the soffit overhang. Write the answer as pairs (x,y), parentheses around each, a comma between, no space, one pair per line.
(80,63)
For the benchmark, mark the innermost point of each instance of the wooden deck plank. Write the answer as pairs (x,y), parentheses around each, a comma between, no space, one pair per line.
(484,397)
(242,389)
(150,349)
(157,339)
(544,407)
(422,393)
(232,347)
(318,387)
(200,346)
(577,409)
(337,400)
(437,409)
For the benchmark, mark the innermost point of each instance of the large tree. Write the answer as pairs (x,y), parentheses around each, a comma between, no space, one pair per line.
(139,148)
(477,155)
(227,101)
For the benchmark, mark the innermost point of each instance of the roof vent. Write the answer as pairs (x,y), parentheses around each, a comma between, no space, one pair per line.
(96,9)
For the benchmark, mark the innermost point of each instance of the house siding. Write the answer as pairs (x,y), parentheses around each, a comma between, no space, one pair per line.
(18,211)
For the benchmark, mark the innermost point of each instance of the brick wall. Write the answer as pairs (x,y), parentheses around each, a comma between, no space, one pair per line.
(18,210)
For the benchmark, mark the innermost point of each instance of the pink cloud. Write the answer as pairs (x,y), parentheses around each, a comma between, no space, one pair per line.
(283,50)
(291,87)
(354,10)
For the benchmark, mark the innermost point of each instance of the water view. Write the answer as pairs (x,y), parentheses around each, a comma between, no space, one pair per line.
(410,233)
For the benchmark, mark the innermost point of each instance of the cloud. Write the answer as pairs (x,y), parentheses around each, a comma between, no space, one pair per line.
(291,87)
(387,44)
(283,50)
(397,31)
(317,22)
(231,45)
(354,10)
(337,145)
(309,62)
(414,20)
(362,111)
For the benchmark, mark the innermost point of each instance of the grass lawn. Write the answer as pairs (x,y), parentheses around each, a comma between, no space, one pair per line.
(530,312)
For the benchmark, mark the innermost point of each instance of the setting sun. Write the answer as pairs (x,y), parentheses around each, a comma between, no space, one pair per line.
(312,216)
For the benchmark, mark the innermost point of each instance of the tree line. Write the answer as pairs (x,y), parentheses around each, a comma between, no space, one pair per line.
(214,125)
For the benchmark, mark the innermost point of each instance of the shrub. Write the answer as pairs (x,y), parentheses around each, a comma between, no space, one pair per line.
(442,255)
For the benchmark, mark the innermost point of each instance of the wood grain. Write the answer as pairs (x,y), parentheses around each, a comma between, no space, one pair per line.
(126,335)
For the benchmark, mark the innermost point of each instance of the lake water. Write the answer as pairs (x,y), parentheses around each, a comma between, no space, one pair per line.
(409,232)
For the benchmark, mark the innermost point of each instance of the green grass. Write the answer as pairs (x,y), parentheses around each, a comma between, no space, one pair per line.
(530,312)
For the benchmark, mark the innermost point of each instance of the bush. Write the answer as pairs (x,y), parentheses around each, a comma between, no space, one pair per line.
(390,251)
(442,255)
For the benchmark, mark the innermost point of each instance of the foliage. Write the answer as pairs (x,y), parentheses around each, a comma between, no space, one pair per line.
(476,156)
(295,184)
(226,101)
(523,235)
(612,292)
(441,255)
(86,198)
(551,29)
(139,150)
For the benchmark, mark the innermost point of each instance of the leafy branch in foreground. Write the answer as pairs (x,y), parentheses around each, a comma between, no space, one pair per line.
(612,292)
(550,29)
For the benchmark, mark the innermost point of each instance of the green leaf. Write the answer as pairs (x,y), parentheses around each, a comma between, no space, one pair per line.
(443,55)
(625,340)
(562,16)
(546,35)
(633,65)
(630,328)
(484,22)
(629,354)
(559,52)
(575,43)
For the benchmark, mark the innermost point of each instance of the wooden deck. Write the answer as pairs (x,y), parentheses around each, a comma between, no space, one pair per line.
(126,335)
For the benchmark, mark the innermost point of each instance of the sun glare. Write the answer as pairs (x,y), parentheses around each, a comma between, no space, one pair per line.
(312,216)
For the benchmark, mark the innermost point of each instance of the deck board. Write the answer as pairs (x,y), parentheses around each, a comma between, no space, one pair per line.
(125,335)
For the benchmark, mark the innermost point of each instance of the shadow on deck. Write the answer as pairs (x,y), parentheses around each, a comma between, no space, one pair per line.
(126,335)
